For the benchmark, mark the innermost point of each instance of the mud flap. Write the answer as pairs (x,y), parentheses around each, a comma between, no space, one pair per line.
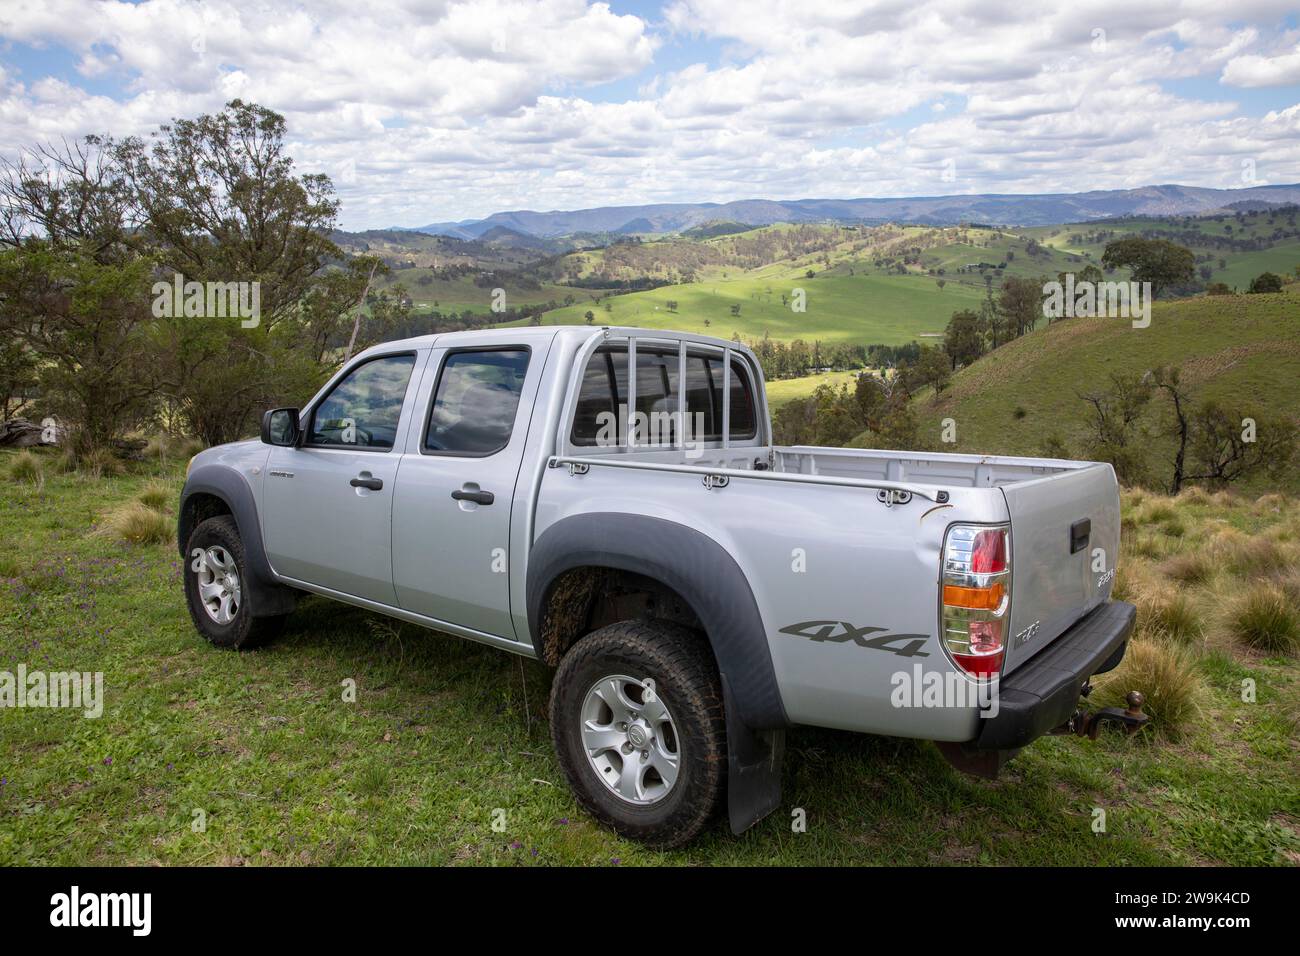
(754,759)
(979,763)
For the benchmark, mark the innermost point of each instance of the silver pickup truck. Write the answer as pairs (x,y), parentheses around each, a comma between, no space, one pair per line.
(609,501)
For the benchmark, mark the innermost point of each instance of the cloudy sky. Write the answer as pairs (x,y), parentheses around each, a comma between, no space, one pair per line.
(425,111)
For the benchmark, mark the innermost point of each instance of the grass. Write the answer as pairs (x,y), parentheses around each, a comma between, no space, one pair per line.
(865,309)
(1166,675)
(1266,619)
(785,390)
(137,523)
(444,732)
(26,467)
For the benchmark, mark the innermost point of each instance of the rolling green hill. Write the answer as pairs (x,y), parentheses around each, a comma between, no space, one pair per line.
(1243,351)
(891,310)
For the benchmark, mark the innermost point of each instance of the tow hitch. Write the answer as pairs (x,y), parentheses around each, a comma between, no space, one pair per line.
(1086,723)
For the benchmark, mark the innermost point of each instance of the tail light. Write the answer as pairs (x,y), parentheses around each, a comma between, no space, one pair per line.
(976,596)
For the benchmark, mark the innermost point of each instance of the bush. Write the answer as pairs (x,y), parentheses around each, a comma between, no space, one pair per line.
(137,523)
(1166,676)
(1266,619)
(26,467)
(1265,282)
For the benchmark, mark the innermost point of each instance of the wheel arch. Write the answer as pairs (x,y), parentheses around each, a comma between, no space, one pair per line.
(214,490)
(582,555)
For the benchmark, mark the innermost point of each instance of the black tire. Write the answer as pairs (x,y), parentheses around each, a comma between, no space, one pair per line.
(686,679)
(244,631)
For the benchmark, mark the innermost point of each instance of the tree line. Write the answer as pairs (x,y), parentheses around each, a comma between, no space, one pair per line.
(91,231)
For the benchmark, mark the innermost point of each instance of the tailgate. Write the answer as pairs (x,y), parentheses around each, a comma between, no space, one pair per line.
(1053,580)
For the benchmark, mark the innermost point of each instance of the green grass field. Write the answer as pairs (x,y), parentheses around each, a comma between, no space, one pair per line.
(1243,351)
(785,390)
(866,309)
(462,294)
(445,733)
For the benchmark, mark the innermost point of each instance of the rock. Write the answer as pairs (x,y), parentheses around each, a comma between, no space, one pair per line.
(20,433)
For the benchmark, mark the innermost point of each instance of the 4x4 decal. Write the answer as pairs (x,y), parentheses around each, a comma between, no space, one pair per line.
(821,631)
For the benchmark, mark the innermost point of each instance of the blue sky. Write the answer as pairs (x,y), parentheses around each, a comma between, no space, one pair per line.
(426,112)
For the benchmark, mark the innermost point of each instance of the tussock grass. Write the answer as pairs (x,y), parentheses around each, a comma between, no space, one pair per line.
(137,523)
(157,495)
(1265,617)
(1172,613)
(187,448)
(1194,495)
(100,463)
(1270,502)
(1166,675)
(26,467)
(1155,511)
(1188,567)
(1253,556)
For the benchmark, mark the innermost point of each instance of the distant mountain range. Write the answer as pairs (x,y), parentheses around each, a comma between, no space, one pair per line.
(992,208)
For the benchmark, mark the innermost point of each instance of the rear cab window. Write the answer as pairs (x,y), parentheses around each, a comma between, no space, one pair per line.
(602,418)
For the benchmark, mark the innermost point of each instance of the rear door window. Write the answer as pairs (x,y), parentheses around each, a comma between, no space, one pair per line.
(476,401)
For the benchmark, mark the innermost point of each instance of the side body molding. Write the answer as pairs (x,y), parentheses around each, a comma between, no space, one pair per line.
(710,581)
(268,596)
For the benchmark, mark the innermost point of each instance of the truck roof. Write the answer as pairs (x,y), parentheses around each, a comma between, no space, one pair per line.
(525,333)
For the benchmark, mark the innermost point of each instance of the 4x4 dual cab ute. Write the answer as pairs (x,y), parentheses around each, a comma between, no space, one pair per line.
(609,501)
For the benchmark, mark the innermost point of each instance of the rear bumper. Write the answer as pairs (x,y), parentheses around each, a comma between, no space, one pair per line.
(1043,693)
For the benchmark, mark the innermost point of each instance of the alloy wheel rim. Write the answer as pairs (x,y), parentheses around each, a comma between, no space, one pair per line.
(219,587)
(630,739)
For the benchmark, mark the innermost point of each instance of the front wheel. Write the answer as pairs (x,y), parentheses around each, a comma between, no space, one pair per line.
(215,572)
(637,722)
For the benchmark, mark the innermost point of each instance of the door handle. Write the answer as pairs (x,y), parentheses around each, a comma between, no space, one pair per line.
(480,497)
(365,481)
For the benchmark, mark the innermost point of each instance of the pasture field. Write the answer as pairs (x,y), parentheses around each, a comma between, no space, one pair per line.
(262,748)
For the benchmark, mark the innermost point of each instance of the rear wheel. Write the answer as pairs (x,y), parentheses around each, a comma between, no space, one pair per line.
(637,721)
(215,572)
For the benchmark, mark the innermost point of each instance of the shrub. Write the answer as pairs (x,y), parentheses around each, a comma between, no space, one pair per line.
(1265,282)
(1166,676)
(137,523)
(1266,618)
(26,467)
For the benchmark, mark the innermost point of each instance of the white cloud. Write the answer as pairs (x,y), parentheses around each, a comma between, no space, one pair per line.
(426,111)
(1256,70)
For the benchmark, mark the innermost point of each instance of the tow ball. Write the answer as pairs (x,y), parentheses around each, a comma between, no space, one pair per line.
(1088,723)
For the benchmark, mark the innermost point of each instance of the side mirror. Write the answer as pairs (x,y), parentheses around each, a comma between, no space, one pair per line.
(280,427)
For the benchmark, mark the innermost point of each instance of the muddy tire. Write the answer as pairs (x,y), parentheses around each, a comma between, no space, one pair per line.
(637,722)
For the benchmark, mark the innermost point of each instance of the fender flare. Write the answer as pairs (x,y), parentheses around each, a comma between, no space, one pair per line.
(268,597)
(692,564)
